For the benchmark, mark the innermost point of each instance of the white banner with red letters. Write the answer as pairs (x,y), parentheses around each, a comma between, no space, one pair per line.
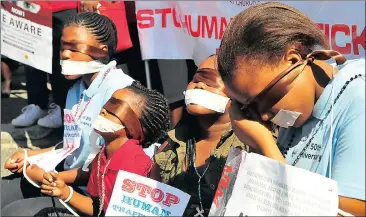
(26,33)
(193,29)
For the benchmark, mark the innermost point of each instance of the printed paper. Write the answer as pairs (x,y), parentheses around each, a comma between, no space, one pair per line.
(134,195)
(26,33)
(265,187)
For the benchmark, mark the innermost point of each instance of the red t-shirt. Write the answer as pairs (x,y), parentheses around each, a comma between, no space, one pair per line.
(129,157)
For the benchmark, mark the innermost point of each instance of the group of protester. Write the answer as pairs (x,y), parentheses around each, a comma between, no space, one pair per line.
(272,71)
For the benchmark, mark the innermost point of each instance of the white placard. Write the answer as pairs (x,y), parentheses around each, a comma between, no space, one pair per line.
(26,33)
(194,29)
(134,195)
(265,187)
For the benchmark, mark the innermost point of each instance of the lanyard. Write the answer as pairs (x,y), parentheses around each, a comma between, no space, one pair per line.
(88,102)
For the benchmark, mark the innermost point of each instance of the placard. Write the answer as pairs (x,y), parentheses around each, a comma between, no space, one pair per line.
(135,195)
(265,187)
(194,29)
(26,33)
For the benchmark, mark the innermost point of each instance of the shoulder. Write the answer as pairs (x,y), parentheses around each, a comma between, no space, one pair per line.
(118,79)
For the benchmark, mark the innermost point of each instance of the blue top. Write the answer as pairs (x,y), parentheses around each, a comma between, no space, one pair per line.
(347,144)
(99,92)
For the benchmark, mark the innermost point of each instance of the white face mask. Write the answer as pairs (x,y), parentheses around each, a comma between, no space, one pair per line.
(70,67)
(104,125)
(285,118)
(206,99)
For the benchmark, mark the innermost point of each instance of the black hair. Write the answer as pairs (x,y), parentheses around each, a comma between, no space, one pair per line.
(155,117)
(262,33)
(98,25)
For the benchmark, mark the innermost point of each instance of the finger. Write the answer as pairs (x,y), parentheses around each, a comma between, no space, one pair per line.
(47,192)
(54,175)
(59,183)
(46,182)
(10,164)
(20,167)
(48,176)
(47,187)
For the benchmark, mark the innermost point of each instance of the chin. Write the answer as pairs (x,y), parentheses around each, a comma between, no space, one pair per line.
(197,110)
(72,77)
(301,121)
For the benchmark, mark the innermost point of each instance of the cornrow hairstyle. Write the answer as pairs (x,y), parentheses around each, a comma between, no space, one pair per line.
(262,33)
(155,117)
(103,29)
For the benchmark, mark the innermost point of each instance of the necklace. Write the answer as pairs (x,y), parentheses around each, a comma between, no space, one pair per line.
(192,145)
(321,123)
(101,188)
(88,102)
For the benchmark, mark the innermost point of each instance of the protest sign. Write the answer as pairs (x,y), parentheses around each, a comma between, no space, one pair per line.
(72,132)
(265,187)
(194,29)
(134,195)
(26,33)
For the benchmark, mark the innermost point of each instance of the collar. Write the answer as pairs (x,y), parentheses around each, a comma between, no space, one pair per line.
(97,82)
(130,147)
(183,132)
(324,103)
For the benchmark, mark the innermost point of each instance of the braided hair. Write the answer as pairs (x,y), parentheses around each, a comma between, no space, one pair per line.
(262,33)
(155,117)
(103,29)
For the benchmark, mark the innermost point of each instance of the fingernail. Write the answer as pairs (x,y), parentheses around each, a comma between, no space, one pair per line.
(54,184)
(12,161)
(50,179)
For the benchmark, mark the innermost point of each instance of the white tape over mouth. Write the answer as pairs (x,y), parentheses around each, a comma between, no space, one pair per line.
(70,67)
(206,99)
(104,125)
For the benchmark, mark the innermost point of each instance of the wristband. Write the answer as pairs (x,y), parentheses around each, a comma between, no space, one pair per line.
(70,194)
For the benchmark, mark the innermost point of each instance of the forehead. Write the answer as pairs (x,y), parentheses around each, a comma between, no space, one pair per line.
(133,100)
(78,34)
(248,80)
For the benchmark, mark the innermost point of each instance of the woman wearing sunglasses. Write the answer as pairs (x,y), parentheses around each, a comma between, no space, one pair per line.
(272,67)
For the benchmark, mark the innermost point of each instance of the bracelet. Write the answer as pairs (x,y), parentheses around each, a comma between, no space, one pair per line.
(70,195)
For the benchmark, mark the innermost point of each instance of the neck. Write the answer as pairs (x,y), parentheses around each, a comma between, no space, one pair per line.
(212,127)
(89,78)
(111,145)
(323,73)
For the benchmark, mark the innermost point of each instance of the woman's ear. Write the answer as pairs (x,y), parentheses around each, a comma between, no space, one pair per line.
(104,47)
(292,56)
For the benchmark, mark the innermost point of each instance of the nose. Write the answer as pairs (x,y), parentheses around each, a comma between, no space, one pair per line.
(65,54)
(200,85)
(103,112)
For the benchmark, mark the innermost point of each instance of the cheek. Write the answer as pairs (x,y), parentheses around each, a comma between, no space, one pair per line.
(299,99)
(190,86)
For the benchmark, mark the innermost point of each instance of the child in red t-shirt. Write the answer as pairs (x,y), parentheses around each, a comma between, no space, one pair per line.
(131,120)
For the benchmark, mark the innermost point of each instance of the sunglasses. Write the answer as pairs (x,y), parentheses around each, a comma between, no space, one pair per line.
(278,89)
